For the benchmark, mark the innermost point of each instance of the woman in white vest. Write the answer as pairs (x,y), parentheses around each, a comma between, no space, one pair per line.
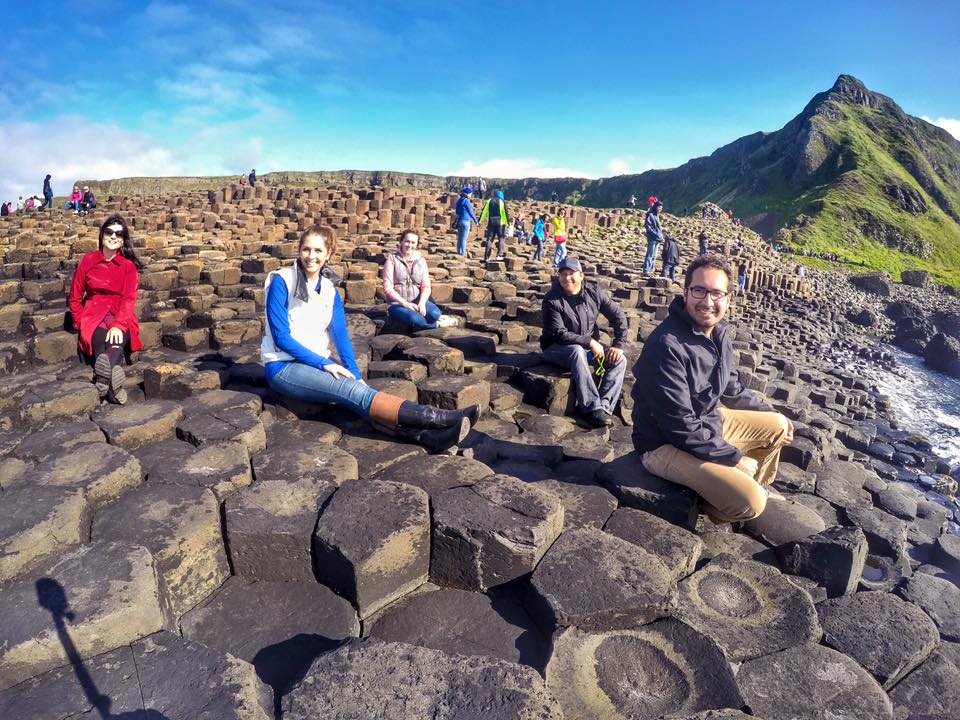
(304,316)
(406,284)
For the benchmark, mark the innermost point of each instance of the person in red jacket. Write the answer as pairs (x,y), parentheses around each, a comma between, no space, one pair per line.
(103,299)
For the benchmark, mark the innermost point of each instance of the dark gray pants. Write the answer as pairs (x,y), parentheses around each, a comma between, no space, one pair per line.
(589,396)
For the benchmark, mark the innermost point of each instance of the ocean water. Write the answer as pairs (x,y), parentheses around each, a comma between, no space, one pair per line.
(923,401)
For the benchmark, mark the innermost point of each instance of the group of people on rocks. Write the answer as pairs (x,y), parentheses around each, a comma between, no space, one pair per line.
(81,201)
(496,214)
(694,423)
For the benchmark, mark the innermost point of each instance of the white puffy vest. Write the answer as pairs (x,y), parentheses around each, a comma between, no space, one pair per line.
(309,320)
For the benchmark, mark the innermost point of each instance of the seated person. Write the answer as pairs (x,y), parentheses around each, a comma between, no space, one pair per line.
(406,284)
(304,316)
(75,198)
(726,453)
(571,335)
(89,202)
(103,302)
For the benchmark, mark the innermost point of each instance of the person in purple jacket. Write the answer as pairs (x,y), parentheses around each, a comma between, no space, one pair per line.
(305,321)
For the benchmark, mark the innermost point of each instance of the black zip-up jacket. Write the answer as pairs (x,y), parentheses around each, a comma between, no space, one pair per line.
(682,377)
(671,251)
(572,319)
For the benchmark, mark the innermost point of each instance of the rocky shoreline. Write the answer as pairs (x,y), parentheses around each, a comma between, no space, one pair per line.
(211,545)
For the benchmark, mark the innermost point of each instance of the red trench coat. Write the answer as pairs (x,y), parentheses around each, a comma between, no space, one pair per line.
(100,287)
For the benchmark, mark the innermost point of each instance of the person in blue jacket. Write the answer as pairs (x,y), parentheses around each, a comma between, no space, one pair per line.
(651,224)
(465,216)
(304,317)
(539,235)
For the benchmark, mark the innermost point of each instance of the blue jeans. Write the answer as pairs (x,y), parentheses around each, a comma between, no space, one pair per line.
(413,318)
(313,385)
(741,282)
(559,254)
(669,270)
(47,201)
(589,397)
(463,232)
(651,257)
(538,253)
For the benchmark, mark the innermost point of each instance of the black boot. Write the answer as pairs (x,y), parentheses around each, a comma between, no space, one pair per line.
(435,440)
(414,415)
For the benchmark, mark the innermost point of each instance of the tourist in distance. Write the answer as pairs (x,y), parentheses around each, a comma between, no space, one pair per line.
(632,202)
(20,203)
(539,235)
(742,276)
(76,197)
(693,421)
(481,188)
(497,218)
(704,240)
(5,209)
(520,231)
(651,225)
(406,285)
(465,216)
(103,303)
(304,317)
(252,177)
(89,202)
(47,194)
(571,340)
(559,237)
(671,257)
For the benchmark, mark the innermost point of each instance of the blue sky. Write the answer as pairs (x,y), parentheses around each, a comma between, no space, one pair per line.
(112,89)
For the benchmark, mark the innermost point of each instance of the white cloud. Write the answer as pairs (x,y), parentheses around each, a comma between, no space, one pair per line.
(951,125)
(96,151)
(515,168)
(627,166)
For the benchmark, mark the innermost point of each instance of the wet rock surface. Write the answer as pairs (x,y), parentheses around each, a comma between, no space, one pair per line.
(211,487)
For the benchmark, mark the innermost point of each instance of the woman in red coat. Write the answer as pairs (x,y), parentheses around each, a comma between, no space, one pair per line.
(103,301)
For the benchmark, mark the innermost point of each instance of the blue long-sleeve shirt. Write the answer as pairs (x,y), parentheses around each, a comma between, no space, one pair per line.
(276,308)
(465,210)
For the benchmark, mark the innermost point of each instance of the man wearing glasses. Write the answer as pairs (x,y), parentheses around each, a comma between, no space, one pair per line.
(727,453)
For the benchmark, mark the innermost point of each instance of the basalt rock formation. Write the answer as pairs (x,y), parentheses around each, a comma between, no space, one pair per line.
(213,546)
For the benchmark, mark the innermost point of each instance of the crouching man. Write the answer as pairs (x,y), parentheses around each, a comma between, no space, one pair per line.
(727,453)
(571,340)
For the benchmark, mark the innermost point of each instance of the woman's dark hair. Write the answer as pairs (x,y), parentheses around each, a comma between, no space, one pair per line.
(126,250)
(328,234)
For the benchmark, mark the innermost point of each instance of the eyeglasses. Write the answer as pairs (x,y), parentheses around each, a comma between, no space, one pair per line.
(110,232)
(700,292)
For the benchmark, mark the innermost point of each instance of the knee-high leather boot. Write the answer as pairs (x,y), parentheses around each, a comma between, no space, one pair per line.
(407,421)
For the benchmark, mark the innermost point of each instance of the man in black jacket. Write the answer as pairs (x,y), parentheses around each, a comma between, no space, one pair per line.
(727,454)
(571,339)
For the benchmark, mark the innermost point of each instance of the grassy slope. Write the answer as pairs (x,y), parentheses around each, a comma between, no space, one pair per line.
(869,165)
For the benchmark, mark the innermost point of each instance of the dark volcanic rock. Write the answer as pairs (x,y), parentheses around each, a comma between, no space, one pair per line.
(463,623)
(811,681)
(585,504)
(877,283)
(634,487)
(374,679)
(678,549)
(381,559)
(748,608)
(180,678)
(278,627)
(491,532)
(596,581)
(886,635)
(932,691)
(663,668)
(269,528)
(833,558)
(939,599)
(943,353)
(784,521)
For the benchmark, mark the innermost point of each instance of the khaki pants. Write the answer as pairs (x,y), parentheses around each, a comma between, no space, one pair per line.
(730,493)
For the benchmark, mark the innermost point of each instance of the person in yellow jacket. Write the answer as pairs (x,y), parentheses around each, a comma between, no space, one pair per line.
(560,237)
(495,213)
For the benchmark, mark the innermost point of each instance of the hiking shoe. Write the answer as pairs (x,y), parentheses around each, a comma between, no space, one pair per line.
(598,418)
(445,321)
(113,377)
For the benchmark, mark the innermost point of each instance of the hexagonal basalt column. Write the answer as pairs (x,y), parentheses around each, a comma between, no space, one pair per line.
(386,555)
(491,532)
(749,608)
(663,668)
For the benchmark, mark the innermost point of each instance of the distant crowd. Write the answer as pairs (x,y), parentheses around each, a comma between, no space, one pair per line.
(81,201)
